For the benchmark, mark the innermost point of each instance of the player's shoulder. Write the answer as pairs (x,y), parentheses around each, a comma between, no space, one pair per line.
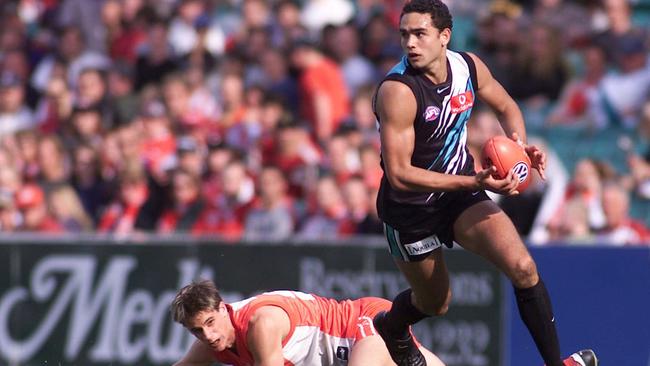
(394,89)
(270,318)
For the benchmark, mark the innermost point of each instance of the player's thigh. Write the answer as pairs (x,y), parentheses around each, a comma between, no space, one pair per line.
(370,350)
(427,277)
(486,230)
(432,360)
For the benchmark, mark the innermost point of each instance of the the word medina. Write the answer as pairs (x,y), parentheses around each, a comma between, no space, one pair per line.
(65,284)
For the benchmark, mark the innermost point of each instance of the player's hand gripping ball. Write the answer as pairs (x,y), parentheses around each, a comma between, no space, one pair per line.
(506,154)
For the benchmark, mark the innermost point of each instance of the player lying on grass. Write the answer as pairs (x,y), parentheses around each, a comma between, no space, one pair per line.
(281,328)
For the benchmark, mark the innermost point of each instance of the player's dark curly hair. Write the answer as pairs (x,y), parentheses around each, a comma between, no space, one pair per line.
(440,15)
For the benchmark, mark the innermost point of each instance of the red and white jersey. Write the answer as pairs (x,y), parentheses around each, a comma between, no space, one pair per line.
(322,330)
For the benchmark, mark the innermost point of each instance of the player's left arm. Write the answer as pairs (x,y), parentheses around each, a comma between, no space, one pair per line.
(490,91)
(266,330)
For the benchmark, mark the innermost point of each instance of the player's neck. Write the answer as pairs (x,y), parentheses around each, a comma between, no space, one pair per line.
(437,69)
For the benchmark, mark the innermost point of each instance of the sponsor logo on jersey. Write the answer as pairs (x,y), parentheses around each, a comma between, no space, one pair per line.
(431,113)
(423,246)
(462,102)
(521,169)
(342,353)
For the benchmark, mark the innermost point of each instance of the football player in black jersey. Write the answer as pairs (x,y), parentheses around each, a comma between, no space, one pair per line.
(430,194)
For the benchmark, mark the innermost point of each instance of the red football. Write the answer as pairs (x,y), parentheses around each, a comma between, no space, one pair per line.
(505,154)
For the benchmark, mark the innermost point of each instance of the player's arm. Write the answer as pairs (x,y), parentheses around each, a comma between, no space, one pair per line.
(397,107)
(198,355)
(512,120)
(266,330)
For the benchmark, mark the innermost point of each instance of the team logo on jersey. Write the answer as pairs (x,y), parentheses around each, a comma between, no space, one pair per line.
(462,102)
(342,353)
(521,169)
(431,113)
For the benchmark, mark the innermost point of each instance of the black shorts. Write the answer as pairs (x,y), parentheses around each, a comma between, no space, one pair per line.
(413,243)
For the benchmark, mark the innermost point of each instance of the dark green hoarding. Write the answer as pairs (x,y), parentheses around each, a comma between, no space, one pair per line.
(108,304)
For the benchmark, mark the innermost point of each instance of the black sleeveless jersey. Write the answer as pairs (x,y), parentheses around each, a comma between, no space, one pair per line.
(440,134)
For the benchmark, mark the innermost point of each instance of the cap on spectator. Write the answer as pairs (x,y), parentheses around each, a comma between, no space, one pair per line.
(304,42)
(202,22)
(28,196)
(10,79)
(153,109)
(630,45)
(187,144)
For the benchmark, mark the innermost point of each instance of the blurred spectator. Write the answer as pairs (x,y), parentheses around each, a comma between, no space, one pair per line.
(191,28)
(86,124)
(71,57)
(14,113)
(94,191)
(578,95)
(499,39)
(122,98)
(87,15)
(329,219)
(357,70)
(191,155)
(55,106)
(92,91)
(187,205)
(36,217)
(227,211)
(323,97)
(572,225)
(120,215)
(53,163)
(276,80)
(571,19)
(619,26)
(287,27)
(342,160)
(359,203)
(10,218)
(541,65)
(622,92)
(155,57)
(125,31)
(363,117)
(619,228)
(297,156)
(585,186)
(66,208)
(270,218)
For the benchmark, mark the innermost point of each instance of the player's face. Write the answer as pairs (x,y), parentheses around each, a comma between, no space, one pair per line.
(421,41)
(214,328)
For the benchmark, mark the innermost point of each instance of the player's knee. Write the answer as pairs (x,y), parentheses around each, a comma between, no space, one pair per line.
(525,272)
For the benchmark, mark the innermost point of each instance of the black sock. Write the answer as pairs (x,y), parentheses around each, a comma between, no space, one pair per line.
(402,314)
(536,312)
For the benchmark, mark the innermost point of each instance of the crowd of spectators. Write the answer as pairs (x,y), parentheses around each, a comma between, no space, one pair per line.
(252,119)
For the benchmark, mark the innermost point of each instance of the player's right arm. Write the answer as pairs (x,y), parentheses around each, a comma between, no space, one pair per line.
(397,109)
(198,355)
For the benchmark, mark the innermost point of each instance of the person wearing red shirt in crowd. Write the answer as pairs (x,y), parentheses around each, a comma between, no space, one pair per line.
(226,214)
(120,216)
(30,200)
(330,216)
(297,156)
(187,207)
(324,98)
